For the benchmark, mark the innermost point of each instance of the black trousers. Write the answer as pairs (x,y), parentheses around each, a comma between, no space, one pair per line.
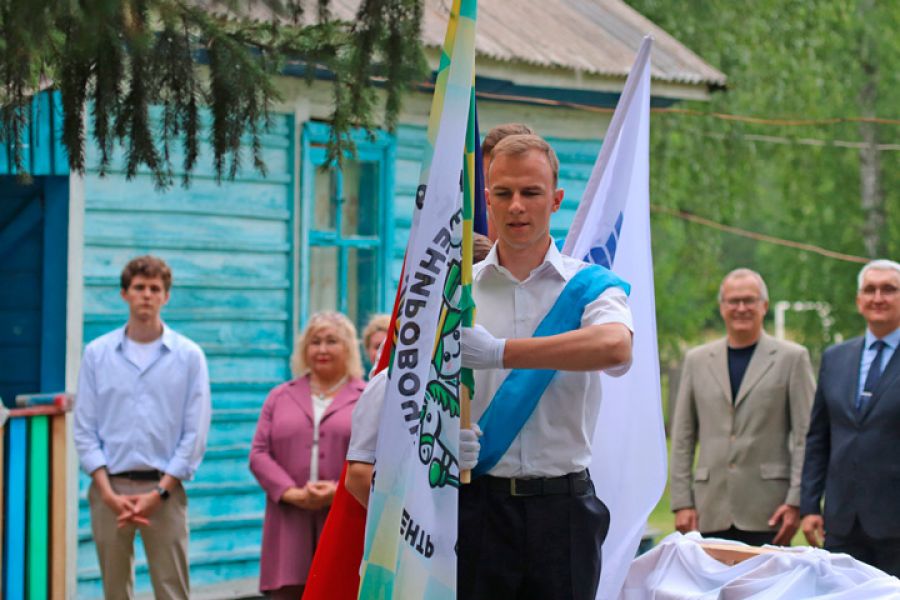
(882,554)
(531,547)
(754,538)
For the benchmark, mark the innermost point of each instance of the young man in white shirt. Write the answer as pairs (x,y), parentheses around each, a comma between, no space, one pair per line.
(141,421)
(532,527)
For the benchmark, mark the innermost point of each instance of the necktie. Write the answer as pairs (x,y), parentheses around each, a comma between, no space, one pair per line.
(873,376)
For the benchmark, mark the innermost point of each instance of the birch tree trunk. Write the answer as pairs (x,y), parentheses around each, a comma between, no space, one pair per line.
(871,191)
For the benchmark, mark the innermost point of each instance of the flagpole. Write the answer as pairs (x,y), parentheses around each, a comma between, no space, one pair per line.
(467,304)
(465,422)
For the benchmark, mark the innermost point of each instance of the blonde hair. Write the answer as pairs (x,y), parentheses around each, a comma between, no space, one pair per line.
(517,145)
(346,333)
(499,132)
(376,323)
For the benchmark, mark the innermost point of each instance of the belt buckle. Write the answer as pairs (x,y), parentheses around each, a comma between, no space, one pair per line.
(516,492)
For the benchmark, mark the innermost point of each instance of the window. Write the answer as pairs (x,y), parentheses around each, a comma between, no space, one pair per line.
(346,227)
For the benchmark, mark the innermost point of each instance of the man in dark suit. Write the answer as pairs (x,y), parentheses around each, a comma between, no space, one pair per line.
(854,433)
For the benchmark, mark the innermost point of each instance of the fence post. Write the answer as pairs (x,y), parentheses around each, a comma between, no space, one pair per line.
(58,507)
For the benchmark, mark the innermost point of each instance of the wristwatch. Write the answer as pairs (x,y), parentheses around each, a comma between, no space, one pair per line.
(163,492)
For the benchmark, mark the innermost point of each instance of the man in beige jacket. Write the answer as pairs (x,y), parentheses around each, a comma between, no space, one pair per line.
(746,401)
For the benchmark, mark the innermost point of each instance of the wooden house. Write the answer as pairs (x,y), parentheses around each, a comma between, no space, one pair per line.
(254,257)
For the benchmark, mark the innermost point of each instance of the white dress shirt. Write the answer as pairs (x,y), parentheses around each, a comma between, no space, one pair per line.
(367,419)
(130,418)
(556,439)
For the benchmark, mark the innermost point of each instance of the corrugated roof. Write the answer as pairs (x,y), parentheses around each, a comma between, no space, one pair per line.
(597,37)
(592,36)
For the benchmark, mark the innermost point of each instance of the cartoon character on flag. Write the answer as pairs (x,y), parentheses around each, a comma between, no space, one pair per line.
(442,392)
(410,542)
(435,423)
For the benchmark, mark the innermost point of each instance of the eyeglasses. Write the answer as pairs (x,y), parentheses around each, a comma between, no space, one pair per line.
(736,302)
(886,290)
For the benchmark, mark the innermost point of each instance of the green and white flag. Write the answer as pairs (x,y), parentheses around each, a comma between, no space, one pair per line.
(411,526)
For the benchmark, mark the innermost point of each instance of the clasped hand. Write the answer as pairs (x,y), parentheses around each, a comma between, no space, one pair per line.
(135,508)
(312,496)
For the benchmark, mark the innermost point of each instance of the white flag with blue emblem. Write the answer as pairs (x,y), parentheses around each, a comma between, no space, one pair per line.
(612,228)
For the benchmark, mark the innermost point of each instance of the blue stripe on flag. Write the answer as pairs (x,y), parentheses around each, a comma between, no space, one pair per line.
(479,221)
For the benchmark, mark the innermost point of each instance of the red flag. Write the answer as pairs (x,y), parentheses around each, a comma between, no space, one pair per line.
(334,573)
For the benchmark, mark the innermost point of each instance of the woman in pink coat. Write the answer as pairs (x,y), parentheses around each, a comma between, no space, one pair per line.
(300,446)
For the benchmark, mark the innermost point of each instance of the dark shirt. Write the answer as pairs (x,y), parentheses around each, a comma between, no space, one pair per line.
(738,359)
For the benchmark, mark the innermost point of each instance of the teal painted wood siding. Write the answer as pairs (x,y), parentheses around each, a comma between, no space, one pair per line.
(42,152)
(231,250)
(576,158)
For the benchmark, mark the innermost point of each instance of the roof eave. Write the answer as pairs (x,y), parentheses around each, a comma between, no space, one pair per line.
(522,73)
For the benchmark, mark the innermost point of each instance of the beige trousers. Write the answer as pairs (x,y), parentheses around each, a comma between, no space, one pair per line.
(165,543)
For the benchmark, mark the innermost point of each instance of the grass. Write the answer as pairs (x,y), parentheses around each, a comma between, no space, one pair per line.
(662,519)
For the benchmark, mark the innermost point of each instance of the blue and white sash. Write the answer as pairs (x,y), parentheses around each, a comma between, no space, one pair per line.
(522,389)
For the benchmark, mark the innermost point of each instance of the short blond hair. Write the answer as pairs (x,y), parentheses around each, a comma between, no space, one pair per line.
(499,132)
(376,323)
(517,145)
(346,333)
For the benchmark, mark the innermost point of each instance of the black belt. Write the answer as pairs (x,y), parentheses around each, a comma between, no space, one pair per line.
(140,475)
(573,484)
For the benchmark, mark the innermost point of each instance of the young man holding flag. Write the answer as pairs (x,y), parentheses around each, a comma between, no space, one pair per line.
(530,525)
(493,138)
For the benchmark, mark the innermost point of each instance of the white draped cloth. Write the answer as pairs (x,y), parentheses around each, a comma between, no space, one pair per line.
(678,568)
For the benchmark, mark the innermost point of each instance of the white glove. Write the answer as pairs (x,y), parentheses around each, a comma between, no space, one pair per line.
(480,349)
(469,447)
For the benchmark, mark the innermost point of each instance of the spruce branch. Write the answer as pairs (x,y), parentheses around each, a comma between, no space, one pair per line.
(134,66)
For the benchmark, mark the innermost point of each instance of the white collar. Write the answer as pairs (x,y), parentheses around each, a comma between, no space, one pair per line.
(553,257)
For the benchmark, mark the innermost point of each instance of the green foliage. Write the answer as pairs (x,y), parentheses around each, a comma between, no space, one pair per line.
(784,60)
(385,28)
(120,57)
